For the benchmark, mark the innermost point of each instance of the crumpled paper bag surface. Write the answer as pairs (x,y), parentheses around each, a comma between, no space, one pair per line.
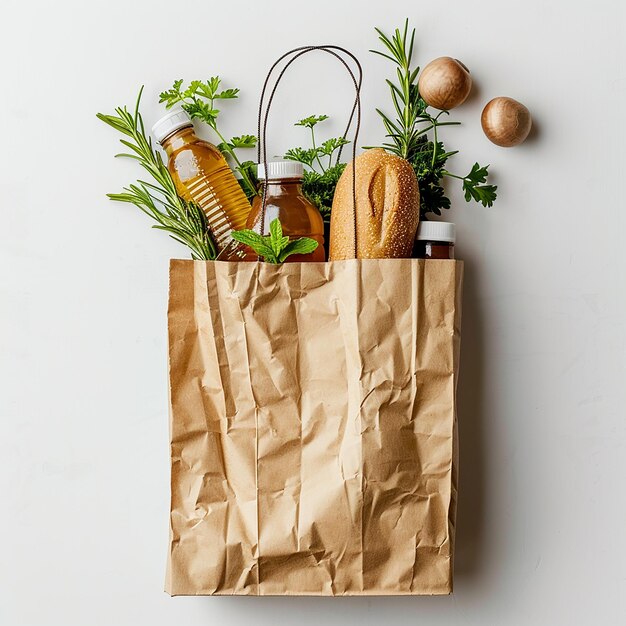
(313,427)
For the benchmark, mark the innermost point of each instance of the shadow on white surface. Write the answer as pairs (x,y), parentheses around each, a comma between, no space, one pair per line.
(470,409)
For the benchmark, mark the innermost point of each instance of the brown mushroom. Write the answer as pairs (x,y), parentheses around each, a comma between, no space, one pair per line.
(506,122)
(445,83)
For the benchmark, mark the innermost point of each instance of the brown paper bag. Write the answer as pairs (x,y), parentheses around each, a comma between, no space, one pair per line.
(313,427)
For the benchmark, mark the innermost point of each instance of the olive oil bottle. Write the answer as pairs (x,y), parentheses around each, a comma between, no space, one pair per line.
(202,176)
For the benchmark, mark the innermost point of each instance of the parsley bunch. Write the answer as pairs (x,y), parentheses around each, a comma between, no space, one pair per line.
(275,247)
(322,176)
(407,133)
(199,101)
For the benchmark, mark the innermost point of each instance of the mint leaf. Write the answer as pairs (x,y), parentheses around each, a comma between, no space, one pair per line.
(248,237)
(259,244)
(304,245)
(277,241)
(275,247)
(276,233)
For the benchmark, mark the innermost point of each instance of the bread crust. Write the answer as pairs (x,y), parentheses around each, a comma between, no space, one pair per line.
(387,208)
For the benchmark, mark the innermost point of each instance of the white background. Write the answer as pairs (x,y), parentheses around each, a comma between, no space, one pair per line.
(84,443)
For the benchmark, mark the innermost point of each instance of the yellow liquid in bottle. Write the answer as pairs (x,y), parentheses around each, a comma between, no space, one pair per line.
(202,176)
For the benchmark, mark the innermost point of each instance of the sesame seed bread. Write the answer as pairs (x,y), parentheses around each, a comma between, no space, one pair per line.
(387,208)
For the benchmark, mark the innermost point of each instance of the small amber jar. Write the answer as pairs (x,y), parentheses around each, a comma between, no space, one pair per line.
(435,240)
(286,201)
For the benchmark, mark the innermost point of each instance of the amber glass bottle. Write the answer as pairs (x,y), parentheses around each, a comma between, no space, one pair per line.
(285,201)
(202,175)
(435,240)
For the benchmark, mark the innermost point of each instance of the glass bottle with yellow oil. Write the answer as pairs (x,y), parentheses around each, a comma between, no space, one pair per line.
(202,176)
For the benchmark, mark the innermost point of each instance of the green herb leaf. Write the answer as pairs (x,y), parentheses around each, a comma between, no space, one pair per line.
(477,174)
(248,237)
(320,188)
(301,155)
(475,190)
(248,180)
(227,94)
(277,240)
(330,145)
(304,245)
(311,121)
(202,111)
(275,247)
(173,95)
(243,141)
(276,233)
(261,245)
(320,181)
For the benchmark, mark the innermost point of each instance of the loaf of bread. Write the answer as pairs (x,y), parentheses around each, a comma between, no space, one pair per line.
(387,208)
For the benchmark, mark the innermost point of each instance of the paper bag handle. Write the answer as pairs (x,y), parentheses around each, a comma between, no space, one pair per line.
(335,51)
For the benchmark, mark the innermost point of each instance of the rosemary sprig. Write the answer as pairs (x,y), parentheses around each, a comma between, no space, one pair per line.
(184,221)
(410,108)
(407,133)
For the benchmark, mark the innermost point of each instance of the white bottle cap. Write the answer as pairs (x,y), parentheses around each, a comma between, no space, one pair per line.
(280,169)
(170,123)
(436,231)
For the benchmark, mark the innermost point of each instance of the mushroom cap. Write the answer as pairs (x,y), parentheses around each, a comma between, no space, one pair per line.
(445,83)
(505,121)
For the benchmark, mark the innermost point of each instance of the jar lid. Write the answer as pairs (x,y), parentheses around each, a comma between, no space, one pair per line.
(280,169)
(170,123)
(436,231)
